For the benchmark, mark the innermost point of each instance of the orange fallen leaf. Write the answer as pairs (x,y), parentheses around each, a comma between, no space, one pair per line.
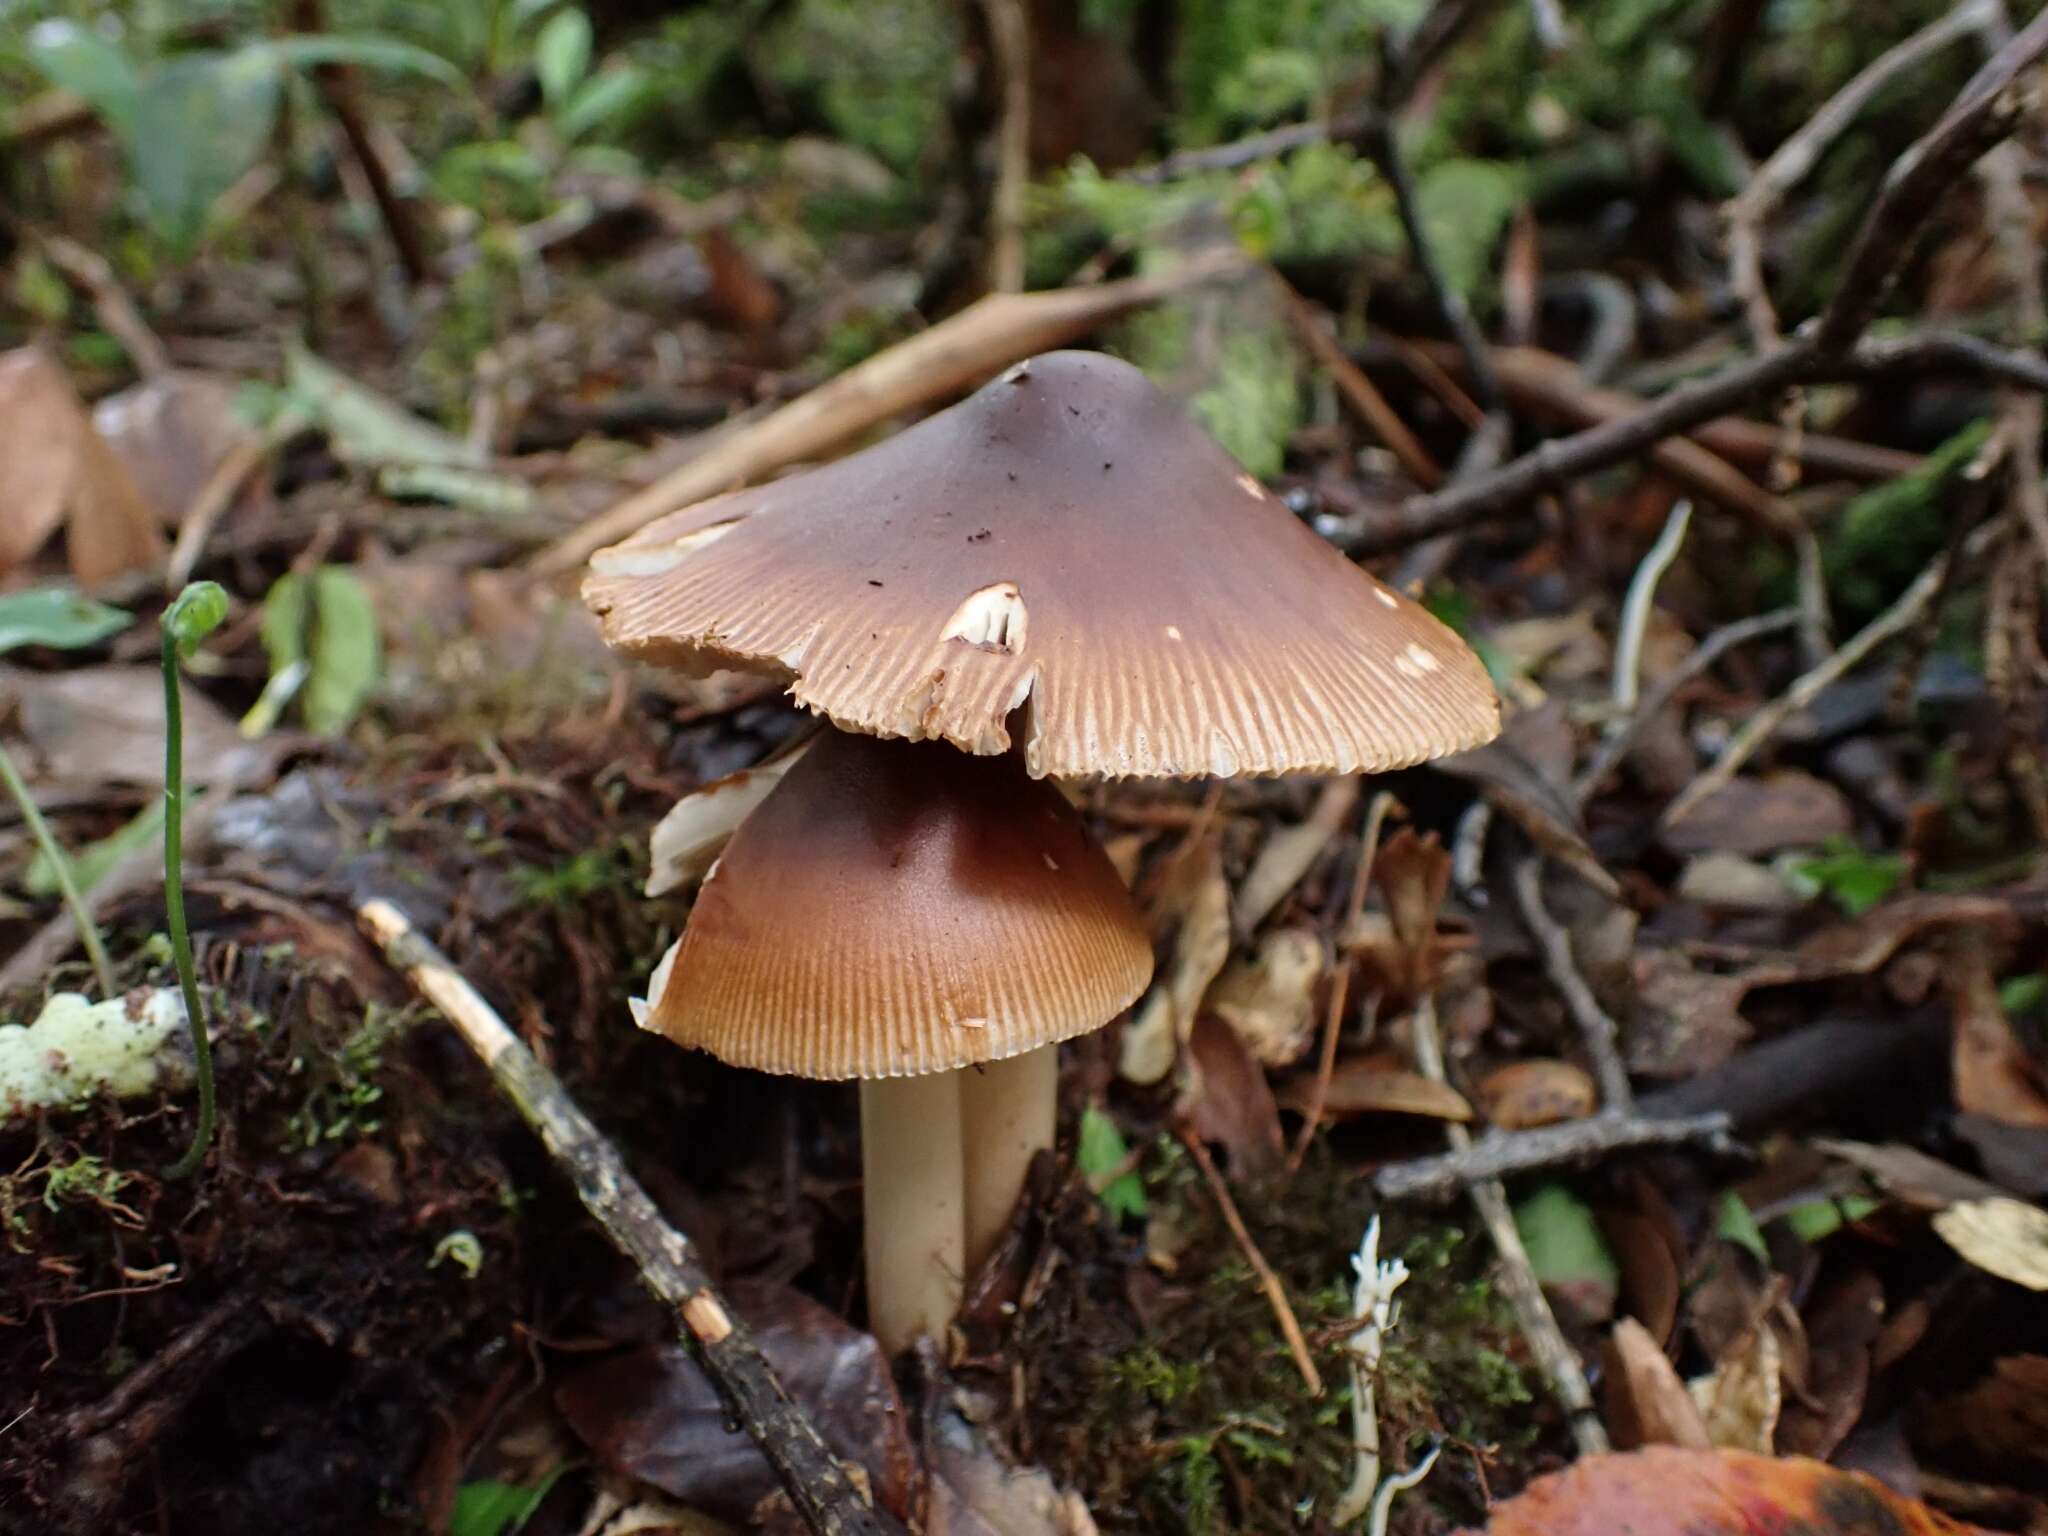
(56,468)
(1665,1491)
(1536,1092)
(1365,1086)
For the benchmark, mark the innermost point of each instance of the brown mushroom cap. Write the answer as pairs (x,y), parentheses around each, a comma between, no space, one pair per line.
(894,909)
(1068,541)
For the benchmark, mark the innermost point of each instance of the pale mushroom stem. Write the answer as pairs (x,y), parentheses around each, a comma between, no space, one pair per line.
(912,1198)
(1009,1113)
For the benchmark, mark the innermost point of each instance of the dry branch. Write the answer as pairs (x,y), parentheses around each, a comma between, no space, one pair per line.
(1501,1155)
(816,1482)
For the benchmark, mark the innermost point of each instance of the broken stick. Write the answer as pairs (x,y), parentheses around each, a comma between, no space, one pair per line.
(812,1476)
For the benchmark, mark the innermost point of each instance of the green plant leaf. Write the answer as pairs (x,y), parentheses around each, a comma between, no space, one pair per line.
(310,51)
(492,1508)
(1102,1150)
(602,98)
(362,426)
(1566,1250)
(57,617)
(561,56)
(1734,1221)
(75,59)
(202,121)
(1856,881)
(1466,205)
(199,610)
(326,626)
(90,864)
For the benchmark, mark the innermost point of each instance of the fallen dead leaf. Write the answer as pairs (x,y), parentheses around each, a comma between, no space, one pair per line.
(1269,998)
(1366,1085)
(2000,1421)
(1753,816)
(1289,852)
(1536,1092)
(1842,1325)
(1644,1401)
(1860,947)
(1226,1100)
(975,1493)
(1994,1075)
(1685,1020)
(1909,1175)
(1668,1491)
(2002,1237)
(105,725)
(171,431)
(55,468)
(652,1414)
(1521,773)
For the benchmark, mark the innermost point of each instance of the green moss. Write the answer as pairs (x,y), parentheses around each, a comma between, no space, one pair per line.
(1201,1422)
(1886,536)
(877,69)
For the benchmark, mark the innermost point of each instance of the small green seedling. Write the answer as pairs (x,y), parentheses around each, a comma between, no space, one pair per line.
(197,613)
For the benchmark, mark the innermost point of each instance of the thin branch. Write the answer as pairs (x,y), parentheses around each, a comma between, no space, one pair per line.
(1554,1354)
(1597,1031)
(1359,391)
(1761,725)
(1381,142)
(1009,30)
(817,1484)
(1502,1154)
(1702,656)
(1636,608)
(1991,106)
(117,313)
(1552,465)
(1344,128)
(1790,163)
(1340,987)
(1988,109)
(1269,1282)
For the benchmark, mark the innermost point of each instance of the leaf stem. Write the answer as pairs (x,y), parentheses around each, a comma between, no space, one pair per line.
(60,863)
(174,904)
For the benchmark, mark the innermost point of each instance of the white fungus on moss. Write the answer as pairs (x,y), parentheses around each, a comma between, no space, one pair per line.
(77,1048)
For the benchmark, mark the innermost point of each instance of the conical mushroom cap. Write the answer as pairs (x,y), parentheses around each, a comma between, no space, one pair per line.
(1069,542)
(894,909)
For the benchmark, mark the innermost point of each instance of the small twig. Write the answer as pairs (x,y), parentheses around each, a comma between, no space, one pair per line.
(1616,746)
(1340,985)
(1247,151)
(118,316)
(667,1260)
(1503,1154)
(1382,144)
(1359,391)
(1518,1282)
(1636,608)
(1269,1282)
(1760,726)
(1597,1030)
(1789,164)
(1993,103)
(1988,109)
(60,868)
(1009,30)
(212,499)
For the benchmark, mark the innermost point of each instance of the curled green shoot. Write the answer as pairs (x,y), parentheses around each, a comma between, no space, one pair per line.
(198,611)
